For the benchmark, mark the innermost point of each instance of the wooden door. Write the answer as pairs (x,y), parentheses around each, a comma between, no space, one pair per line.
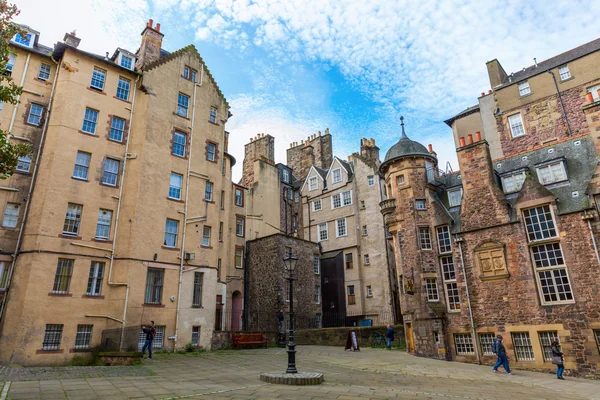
(409,338)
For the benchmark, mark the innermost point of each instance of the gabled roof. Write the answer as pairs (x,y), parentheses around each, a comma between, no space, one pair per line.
(345,165)
(171,56)
(60,47)
(554,62)
(319,172)
(464,113)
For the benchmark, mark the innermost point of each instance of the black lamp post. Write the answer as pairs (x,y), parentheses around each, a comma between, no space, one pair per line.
(290,263)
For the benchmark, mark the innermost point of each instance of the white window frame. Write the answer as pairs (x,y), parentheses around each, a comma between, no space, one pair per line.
(239,203)
(103,223)
(10,64)
(178,144)
(314,205)
(24,163)
(316,264)
(463,343)
(72,219)
(533,218)
(91,120)
(522,346)
(425,238)
(513,183)
(524,89)
(556,172)
(170,233)
(11,215)
(211,151)
(556,275)
(96,276)
(235,257)
(35,114)
(431,288)
(486,341)
(82,164)
(336,201)
(213,115)
(27,41)
(347,198)
(336,175)
(109,174)
(450,283)
(98,79)
(369,291)
(371,180)
(174,188)
(123,89)
(444,247)
(313,184)
(341,223)
(594,91)
(323,233)
(286,175)
(183,106)
(564,73)
(117,129)
(239,226)
(546,339)
(419,202)
(122,57)
(206,233)
(452,197)
(208,194)
(3,274)
(44,72)
(517,129)
(317,294)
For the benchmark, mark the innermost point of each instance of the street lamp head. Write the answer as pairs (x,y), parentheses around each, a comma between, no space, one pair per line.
(290,263)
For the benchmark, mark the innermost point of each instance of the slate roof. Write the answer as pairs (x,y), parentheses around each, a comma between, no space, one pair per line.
(405,147)
(321,172)
(349,168)
(60,47)
(553,62)
(37,48)
(464,113)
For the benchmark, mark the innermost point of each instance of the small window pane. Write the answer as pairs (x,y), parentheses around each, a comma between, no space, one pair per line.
(564,73)
(103,225)
(183,102)
(171,229)
(175,184)
(24,163)
(524,89)
(44,73)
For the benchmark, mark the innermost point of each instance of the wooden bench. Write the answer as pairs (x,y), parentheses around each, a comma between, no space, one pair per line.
(240,339)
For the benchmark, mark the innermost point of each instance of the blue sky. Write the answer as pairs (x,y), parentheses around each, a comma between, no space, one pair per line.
(293,67)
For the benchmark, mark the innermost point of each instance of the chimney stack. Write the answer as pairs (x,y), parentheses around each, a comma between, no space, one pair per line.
(71,39)
(150,47)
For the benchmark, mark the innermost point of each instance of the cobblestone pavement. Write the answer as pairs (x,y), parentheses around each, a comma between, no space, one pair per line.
(371,373)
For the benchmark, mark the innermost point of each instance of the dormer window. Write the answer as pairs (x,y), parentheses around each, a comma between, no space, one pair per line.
(524,89)
(286,176)
(126,62)
(337,175)
(25,40)
(512,183)
(454,197)
(552,173)
(312,183)
(9,65)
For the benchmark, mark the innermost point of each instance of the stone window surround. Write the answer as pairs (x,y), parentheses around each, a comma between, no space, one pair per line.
(216,153)
(508,117)
(186,133)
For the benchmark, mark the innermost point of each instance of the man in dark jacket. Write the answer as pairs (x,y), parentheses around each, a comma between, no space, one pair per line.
(390,336)
(502,356)
(150,332)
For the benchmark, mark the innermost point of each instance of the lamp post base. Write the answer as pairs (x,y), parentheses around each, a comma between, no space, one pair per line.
(301,378)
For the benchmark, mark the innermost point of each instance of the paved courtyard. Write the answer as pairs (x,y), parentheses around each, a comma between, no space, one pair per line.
(369,374)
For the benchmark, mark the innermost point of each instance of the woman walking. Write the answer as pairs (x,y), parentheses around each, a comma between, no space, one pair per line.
(557,358)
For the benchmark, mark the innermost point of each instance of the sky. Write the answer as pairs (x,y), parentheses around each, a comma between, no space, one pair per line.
(291,68)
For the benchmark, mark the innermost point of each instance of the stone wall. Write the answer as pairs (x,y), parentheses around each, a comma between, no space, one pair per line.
(337,336)
(316,150)
(262,147)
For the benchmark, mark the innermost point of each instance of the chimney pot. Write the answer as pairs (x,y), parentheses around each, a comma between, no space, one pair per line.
(430,148)
(151,23)
(462,141)
(477,136)
(490,91)
(469,139)
(158,27)
(482,94)
(589,97)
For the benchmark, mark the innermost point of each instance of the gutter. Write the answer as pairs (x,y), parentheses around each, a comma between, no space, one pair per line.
(562,106)
(14,114)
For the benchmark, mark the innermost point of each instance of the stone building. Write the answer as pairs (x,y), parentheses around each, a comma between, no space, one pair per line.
(509,243)
(317,150)
(131,214)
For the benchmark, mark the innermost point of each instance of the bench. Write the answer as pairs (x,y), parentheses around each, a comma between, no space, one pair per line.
(240,339)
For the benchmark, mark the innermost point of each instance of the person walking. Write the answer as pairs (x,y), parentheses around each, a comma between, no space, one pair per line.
(500,351)
(150,332)
(558,359)
(389,336)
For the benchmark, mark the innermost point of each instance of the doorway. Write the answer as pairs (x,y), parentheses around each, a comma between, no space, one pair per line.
(236,311)
(409,338)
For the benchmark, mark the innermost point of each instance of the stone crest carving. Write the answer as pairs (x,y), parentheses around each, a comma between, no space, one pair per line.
(491,261)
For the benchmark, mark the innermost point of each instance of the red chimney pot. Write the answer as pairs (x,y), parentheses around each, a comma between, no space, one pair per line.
(482,94)
(430,148)
(490,91)
(151,23)
(462,141)
(158,27)
(477,136)
(469,139)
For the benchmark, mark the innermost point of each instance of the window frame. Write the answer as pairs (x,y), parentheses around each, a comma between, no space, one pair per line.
(123,89)
(36,117)
(71,208)
(175,191)
(110,174)
(425,242)
(129,64)
(153,290)
(369,291)
(238,219)
(520,124)
(52,337)
(196,335)
(548,166)
(12,217)
(198,289)
(349,260)
(313,183)
(522,347)
(22,162)
(83,337)
(371,180)
(431,289)
(452,192)
(208,152)
(545,339)
(176,144)
(337,227)
(336,179)
(117,129)
(45,72)
(98,76)
(524,88)
(351,295)
(90,117)
(317,294)
(206,236)
(444,236)
(564,70)
(183,106)
(486,341)
(511,184)
(208,191)
(82,167)
(103,224)
(320,231)
(212,118)
(314,205)
(316,264)
(240,197)
(366,260)
(419,202)
(62,276)
(460,342)
(347,200)
(450,284)
(336,201)
(170,234)
(95,279)
(241,250)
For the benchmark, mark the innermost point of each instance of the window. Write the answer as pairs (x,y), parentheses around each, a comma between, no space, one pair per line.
(597,335)
(123,89)
(593,90)
(206,236)
(450,285)
(98,78)
(195,335)
(295,223)
(546,339)
(436,337)
(351,296)
(516,125)
(211,150)
(213,115)
(24,163)
(183,103)
(424,238)
(126,62)
(552,173)
(3,274)
(197,295)
(62,278)
(400,180)
(103,225)
(539,223)
(208,191)
(157,343)
(219,270)
(26,40)
(464,344)
(296,196)
(341,227)
(366,258)
(117,127)
(337,175)
(171,229)
(312,183)
(454,197)
(11,215)
(336,201)
(222,199)
(289,193)
(175,184)
(362,205)
(552,273)
(564,73)
(239,197)
(179,144)
(187,72)
(431,289)
(444,242)
(35,115)
(486,340)
(111,172)
(524,89)
(349,262)
(323,231)
(347,198)
(223,165)
(52,337)
(317,205)
(371,180)
(220,231)
(513,183)
(369,291)
(316,264)
(286,175)
(72,220)
(44,73)
(83,336)
(154,285)
(82,164)
(420,205)
(94,286)
(317,294)
(239,257)
(90,120)
(522,345)
(239,226)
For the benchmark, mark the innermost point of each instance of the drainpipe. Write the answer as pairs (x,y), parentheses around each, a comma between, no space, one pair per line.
(117,215)
(185,211)
(33,177)
(561,103)
(462,261)
(14,114)
(589,217)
